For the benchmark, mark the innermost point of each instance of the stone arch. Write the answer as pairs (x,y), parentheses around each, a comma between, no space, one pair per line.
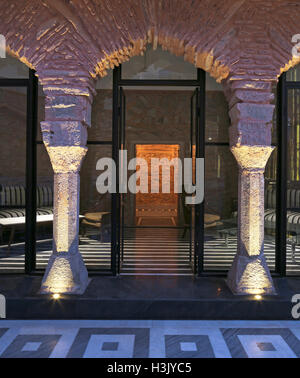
(93,36)
(243,44)
(103,34)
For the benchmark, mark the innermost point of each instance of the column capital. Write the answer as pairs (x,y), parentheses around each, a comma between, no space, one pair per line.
(251,112)
(68,107)
(252,158)
(66,159)
(68,95)
(251,124)
(64,133)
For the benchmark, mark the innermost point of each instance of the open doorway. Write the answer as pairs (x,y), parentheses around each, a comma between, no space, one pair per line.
(158,99)
(160,119)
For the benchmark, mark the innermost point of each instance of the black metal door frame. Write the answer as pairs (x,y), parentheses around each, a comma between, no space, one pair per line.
(197,213)
(282,164)
(200,153)
(31,85)
(121,148)
(118,84)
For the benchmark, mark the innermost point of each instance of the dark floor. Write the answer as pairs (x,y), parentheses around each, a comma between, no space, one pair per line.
(152,297)
(148,251)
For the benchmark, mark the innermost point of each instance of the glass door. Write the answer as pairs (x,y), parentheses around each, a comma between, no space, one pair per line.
(288,176)
(150,243)
(123,175)
(195,213)
(18,117)
(118,198)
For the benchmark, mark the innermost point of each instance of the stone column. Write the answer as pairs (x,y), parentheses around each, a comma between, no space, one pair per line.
(67,116)
(66,272)
(250,144)
(249,273)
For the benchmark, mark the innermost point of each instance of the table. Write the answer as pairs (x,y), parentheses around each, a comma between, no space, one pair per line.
(92,220)
(16,222)
(291,240)
(226,232)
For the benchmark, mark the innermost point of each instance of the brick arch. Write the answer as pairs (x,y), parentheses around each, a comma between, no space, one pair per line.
(284,25)
(245,45)
(96,35)
(91,36)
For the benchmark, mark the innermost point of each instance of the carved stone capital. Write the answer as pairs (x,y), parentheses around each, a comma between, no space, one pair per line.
(252,158)
(251,124)
(64,133)
(66,159)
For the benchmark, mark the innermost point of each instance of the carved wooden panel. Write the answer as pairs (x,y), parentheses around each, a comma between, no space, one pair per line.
(157,204)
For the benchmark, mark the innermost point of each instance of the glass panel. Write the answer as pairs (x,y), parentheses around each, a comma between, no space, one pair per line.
(12,178)
(189,211)
(158,65)
(44,226)
(217,116)
(293,74)
(293,183)
(101,128)
(157,126)
(270,210)
(95,228)
(220,219)
(270,196)
(12,68)
(156,118)
(41,112)
(274,123)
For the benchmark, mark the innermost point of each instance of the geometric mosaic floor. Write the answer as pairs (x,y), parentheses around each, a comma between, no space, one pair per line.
(155,339)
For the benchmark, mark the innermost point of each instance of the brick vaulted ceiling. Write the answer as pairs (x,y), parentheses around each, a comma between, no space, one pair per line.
(231,39)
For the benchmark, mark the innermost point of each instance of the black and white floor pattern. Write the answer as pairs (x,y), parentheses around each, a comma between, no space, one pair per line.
(154,339)
(148,251)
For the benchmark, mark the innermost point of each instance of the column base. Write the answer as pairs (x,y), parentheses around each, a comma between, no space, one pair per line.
(65,274)
(250,276)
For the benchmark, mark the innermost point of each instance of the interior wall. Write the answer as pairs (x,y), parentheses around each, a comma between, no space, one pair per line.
(13,110)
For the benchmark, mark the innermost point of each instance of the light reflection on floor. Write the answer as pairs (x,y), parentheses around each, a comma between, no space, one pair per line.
(148,251)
